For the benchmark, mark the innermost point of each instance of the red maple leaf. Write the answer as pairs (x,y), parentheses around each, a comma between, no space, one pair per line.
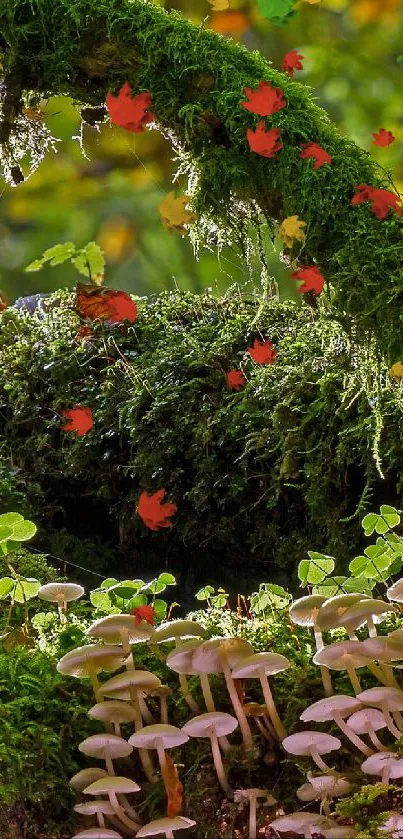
(235,379)
(291,62)
(314,150)
(264,142)
(80,420)
(105,304)
(153,512)
(127,112)
(83,334)
(265,100)
(383,138)
(262,352)
(144,613)
(313,280)
(382,200)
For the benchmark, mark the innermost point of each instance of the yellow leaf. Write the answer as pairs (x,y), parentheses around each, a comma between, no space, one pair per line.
(291,230)
(173,213)
(369,11)
(396,370)
(219,5)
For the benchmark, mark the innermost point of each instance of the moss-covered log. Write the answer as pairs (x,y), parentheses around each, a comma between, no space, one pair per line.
(259,476)
(85,48)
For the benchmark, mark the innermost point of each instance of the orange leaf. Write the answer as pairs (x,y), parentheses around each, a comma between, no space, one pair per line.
(127,112)
(104,304)
(229,23)
(264,142)
(262,352)
(153,512)
(383,138)
(265,100)
(312,279)
(235,379)
(173,786)
(314,150)
(80,420)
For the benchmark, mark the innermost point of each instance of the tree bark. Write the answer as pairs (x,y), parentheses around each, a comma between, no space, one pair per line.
(86,48)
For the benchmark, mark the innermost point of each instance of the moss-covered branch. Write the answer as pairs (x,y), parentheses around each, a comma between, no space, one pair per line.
(86,47)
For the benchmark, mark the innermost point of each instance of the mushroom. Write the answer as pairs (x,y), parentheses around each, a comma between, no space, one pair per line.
(97,833)
(134,682)
(166,826)
(159,737)
(259,666)
(252,796)
(385,764)
(261,716)
(108,747)
(121,629)
(98,808)
(368,611)
(334,608)
(301,822)
(386,648)
(86,662)
(163,691)
(304,612)
(394,824)
(388,699)
(113,711)
(219,655)
(110,787)
(313,743)
(368,721)
(335,708)
(345,655)
(395,591)
(62,594)
(325,788)
(213,725)
(86,776)
(178,631)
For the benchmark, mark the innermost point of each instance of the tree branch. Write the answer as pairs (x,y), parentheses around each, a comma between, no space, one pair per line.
(86,48)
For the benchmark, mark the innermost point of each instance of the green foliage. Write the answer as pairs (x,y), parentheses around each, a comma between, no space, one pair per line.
(113,597)
(369,807)
(89,260)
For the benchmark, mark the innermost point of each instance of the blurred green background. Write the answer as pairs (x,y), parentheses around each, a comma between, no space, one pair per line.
(112,194)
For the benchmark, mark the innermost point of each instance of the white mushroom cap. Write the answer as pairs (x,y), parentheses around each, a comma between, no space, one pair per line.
(339,831)
(113,710)
(334,607)
(306,792)
(304,611)
(141,679)
(358,614)
(99,745)
(324,709)
(254,792)
(249,667)
(171,630)
(163,825)
(394,824)
(395,591)
(302,742)
(391,697)
(97,833)
(60,592)
(375,764)
(329,785)
(180,659)
(113,783)
(149,736)
(362,721)
(209,656)
(91,658)
(89,808)
(201,726)
(299,821)
(86,776)
(335,656)
(111,626)
(384,647)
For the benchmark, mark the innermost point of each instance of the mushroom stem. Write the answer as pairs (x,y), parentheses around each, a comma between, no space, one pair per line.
(210,705)
(121,813)
(268,697)
(389,722)
(325,804)
(351,735)
(237,705)
(252,815)
(163,763)
(318,760)
(101,819)
(382,675)
(95,686)
(62,613)
(145,711)
(264,731)
(124,638)
(164,709)
(109,762)
(185,690)
(398,720)
(324,671)
(374,739)
(144,755)
(385,774)
(219,768)
(129,809)
(355,682)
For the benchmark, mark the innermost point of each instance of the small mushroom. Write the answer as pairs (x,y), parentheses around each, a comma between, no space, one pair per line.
(98,808)
(113,711)
(214,725)
(345,655)
(259,666)
(304,612)
(368,721)
(62,594)
(385,764)
(177,631)
(86,662)
(333,609)
(121,629)
(394,824)
(313,743)
(97,833)
(389,700)
(335,708)
(395,591)
(111,787)
(301,822)
(108,747)
(159,737)
(86,776)
(166,826)
(252,795)
(325,788)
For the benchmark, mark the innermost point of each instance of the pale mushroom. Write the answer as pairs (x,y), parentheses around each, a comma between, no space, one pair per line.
(394,824)
(162,691)
(86,662)
(111,786)
(86,776)
(335,708)
(134,682)
(259,666)
(62,594)
(385,764)
(166,826)
(395,591)
(98,808)
(368,721)
(159,737)
(368,611)
(113,711)
(219,655)
(345,655)
(385,649)
(334,608)
(301,822)
(107,747)
(313,743)
(304,612)
(214,725)
(121,629)
(389,700)
(97,833)
(325,788)
(177,631)
(252,795)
